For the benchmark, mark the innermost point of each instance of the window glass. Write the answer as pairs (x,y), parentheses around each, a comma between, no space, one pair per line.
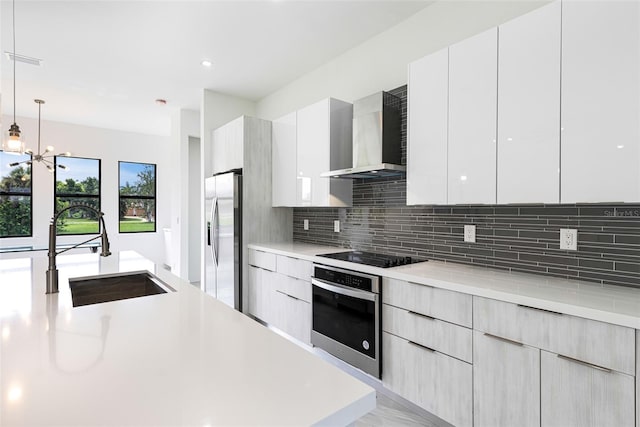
(77,184)
(15,195)
(137,189)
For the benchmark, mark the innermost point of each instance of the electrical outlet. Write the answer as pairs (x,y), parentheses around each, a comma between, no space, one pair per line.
(336,226)
(569,239)
(470,233)
(306,224)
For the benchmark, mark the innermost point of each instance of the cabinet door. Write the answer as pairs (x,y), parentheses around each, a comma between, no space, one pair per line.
(438,383)
(292,315)
(313,154)
(600,142)
(219,143)
(506,383)
(427,129)
(473,68)
(228,146)
(283,152)
(529,108)
(576,394)
(258,301)
(638,378)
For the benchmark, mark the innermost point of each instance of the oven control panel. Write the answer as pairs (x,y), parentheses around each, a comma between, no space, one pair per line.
(347,278)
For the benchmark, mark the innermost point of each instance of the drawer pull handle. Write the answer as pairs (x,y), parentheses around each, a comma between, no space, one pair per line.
(290,296)
(421,315)
(422,346)
(540,309)
(421,284)
(508,341)
(580,362)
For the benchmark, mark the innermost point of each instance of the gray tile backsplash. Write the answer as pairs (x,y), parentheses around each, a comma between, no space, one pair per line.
(517,238)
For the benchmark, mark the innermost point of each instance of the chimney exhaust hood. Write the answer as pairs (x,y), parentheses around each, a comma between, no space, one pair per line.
(376,139)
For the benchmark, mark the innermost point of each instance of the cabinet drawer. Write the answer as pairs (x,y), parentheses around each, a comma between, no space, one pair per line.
(293,316)
(438,383)
(262,259)
(574,394)
(439,335)
(294,267)
(598,343)
(442,304)
(291,286)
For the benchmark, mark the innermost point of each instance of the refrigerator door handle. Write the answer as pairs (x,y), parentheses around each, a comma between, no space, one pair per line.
(214,229)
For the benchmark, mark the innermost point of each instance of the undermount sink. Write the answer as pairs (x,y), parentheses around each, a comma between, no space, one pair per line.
(113,287)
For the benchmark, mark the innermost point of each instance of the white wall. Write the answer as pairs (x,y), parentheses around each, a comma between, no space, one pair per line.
(381,62)
(110,146)
(184,124)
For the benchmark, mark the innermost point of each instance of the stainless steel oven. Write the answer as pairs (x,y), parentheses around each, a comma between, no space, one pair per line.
(346,316)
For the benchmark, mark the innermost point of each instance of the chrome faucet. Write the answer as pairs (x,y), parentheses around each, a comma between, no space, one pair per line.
(52,271)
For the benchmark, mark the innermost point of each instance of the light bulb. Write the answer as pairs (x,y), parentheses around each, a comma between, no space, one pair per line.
(13,143)
(50,168)
(49,149)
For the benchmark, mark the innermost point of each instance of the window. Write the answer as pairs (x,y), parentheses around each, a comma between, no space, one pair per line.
(77,184)
(137,197)
(15,196)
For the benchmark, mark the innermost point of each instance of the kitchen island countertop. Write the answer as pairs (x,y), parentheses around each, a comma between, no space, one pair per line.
(180,358)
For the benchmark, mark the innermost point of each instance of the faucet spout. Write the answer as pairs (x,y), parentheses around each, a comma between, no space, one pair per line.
(52,271)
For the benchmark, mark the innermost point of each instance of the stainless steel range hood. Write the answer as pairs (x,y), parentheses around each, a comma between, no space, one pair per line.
(376,139)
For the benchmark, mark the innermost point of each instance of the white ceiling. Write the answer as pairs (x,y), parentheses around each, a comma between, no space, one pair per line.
(105,62)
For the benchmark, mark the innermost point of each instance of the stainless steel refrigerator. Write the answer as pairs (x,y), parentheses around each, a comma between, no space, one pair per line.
(223,257)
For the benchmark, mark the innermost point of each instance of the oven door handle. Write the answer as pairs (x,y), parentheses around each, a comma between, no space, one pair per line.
(343,290)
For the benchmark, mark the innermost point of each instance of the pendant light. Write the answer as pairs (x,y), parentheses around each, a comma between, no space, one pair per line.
(14,143)
(45,156)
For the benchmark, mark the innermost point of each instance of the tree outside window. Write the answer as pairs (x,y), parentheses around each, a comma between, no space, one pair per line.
(137,206)
(15,196)
(78,184)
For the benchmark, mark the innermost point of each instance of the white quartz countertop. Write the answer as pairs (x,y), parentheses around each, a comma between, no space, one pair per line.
(607,303)
(179,358)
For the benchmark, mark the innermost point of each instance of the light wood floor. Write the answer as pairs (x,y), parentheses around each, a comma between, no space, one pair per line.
(389,413)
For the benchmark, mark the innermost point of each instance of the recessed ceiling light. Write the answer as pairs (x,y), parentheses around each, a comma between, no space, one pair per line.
(206,63)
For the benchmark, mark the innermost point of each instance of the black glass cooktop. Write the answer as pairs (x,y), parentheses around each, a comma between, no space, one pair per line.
(371,258)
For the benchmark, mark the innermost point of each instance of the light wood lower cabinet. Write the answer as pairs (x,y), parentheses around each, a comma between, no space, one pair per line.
(637,378)
(576,394)
(434,333)
(506,383)
(281,301)
(437,382)
(599,343)
(292,316)
(260,293)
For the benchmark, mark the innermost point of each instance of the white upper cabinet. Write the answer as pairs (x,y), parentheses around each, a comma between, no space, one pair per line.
(529,108)
(324,134)
(427,129)
(228,149)
(473,91)
(600,142)
(283,152)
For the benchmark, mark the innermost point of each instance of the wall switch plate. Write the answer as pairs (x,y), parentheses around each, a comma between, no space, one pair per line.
(336,226)
(470,233)
(306,224)
(569,239)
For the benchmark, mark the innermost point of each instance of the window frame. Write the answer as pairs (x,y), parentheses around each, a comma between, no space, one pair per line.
(30,195)
(76,195)
(154,197)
